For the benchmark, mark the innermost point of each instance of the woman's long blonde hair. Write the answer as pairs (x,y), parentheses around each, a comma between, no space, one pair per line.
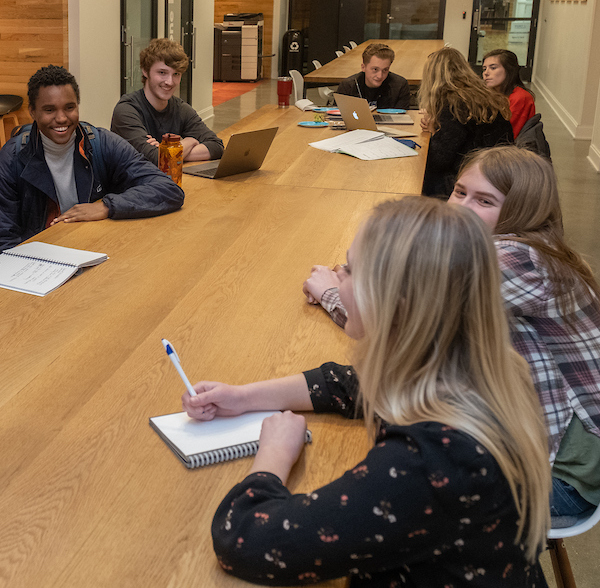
(448,80)
(531,212)
(436,345)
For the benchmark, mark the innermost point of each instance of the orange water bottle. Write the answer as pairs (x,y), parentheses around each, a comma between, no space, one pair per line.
(170,157)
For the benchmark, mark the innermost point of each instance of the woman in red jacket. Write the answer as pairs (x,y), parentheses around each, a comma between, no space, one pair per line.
(501,72)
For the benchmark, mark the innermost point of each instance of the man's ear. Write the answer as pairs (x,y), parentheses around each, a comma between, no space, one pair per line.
(363,67)
(31,111)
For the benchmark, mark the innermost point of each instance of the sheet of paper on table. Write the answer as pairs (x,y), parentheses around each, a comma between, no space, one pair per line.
(365,145)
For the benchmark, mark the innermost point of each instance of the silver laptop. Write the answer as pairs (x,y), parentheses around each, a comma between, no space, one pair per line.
(244,152)
(357,114)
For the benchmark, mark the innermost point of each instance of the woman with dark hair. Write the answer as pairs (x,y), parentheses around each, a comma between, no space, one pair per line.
(501,73)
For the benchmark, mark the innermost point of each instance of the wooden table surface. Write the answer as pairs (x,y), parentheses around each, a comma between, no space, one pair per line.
(410,59)
(291,162)
(89,494)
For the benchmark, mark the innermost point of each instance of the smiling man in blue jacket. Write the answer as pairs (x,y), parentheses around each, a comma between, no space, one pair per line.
(66,171)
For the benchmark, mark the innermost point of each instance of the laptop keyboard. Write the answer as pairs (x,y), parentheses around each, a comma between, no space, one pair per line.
(383,118)
(209,171)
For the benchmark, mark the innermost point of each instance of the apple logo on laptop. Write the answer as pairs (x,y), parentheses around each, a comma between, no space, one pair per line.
(355,115)
(247,153)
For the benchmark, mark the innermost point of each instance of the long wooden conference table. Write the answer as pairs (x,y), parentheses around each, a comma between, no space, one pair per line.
(89,494)
(410,59)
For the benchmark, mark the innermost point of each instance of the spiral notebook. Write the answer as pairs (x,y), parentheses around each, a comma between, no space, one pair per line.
(201,443)
(38,268)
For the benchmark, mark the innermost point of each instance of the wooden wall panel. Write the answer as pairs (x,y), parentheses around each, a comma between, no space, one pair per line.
(223,7)
(33,33)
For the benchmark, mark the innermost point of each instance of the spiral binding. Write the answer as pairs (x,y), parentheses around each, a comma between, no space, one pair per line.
(227,453)
(219,455)
(39,259)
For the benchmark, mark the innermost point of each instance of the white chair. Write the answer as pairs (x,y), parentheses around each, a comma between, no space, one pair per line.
(298,81)
(352,44)
(558,552)
(339,53)
(325,92)
(346,49)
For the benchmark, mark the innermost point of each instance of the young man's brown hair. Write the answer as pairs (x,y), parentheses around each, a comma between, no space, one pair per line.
(171,53)
(377,50)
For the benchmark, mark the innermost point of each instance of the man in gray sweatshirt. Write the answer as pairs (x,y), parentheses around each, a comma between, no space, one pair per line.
(144,116)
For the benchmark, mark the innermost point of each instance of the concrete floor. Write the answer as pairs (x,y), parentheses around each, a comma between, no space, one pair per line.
(579,187)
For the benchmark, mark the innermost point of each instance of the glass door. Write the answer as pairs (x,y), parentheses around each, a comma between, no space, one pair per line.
(405,19)
(138,26)
(504,24)
(179,27)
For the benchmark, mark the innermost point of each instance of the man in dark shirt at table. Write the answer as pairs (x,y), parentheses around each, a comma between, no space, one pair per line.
(144,116)
(375,83)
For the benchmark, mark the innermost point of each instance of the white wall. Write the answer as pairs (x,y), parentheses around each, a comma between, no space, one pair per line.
(594,152)
(202,76)
(94,56)
(94,44)
(566,67)
(456,29)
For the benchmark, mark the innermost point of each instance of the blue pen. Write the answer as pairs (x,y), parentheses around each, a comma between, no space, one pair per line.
(175,359)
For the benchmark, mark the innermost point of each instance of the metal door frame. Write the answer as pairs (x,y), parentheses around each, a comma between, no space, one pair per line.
(187,39)
(127,42)
(526,70)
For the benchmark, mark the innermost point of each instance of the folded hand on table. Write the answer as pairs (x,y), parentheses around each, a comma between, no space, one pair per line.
(83,212)
(321,279)
(281,441)
(426,126)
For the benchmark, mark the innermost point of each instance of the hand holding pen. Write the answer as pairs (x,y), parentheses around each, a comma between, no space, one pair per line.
(199,410)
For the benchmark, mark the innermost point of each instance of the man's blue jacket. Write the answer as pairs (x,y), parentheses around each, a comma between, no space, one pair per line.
(129,185)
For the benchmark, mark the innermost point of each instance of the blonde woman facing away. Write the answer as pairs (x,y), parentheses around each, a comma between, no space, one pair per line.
(501,73)
(455,490)
(462,114)
(553,301)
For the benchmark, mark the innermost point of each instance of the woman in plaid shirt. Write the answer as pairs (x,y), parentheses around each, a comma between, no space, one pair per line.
(552,298)
(553,301)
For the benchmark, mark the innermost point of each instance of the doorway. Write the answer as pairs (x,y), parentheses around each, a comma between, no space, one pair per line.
(179,27)
(500,24)
(139,24)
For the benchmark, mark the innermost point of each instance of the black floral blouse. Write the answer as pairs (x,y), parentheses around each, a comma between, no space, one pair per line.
(427,507)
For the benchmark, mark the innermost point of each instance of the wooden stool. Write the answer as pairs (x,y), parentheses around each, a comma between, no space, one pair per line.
(558,552)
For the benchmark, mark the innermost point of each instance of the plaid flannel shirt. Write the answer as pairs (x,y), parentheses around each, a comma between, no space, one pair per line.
(565,364)
(332,303)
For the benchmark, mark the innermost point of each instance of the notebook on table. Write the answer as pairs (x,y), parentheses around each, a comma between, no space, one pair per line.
(244,152)
(357,114)
(201,443)
(39,268)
